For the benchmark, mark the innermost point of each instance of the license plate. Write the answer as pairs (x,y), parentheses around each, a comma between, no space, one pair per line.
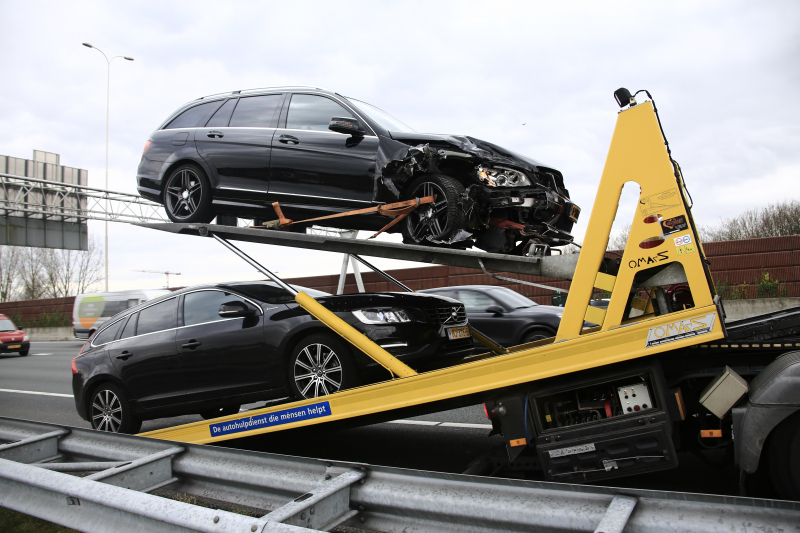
(12,346)
(461,332)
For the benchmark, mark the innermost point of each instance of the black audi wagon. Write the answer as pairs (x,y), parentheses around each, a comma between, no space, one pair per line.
(209,349)
(319,153)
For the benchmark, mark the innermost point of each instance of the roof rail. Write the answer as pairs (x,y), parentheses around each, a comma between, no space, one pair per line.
(263,88)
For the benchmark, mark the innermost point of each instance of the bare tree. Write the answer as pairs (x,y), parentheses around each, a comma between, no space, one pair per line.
(9,272)
(775,220)
(31,275)
(620,239)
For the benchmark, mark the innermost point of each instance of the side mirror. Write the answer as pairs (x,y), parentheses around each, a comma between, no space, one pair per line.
(236,309)
(496,309)
(346,125)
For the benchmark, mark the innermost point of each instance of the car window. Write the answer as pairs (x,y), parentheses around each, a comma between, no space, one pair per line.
(193,117)
(130,327)
(203,306)
(157,317)
(511,299)
(309,112)
(255,111)
(221,118)
(108,334)
(474,301)
(7,325)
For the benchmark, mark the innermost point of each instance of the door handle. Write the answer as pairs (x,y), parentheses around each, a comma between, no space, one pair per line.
(213,134)
(192,344)
(286,139)
(124,355)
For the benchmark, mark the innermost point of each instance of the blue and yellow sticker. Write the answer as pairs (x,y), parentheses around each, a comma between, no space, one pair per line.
(276,418)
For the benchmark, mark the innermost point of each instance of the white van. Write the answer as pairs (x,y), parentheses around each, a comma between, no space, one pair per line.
(92,310)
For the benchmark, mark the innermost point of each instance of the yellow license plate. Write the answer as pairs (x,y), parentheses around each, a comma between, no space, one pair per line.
(12,346)
(461,332)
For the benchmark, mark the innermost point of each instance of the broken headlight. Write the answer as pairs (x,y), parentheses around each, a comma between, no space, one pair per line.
(381,316)
(502,177)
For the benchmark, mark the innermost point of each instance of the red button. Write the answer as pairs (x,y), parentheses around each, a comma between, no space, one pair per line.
(635,407)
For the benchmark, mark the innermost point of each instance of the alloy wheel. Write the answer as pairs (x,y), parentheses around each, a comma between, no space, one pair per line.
(184,192)
(317,371)
(428,219)
(107,411)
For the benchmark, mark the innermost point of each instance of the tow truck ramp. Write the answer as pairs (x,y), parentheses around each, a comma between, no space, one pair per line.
(663,244)
(141,484)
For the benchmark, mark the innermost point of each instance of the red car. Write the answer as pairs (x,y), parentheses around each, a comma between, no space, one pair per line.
(11,338)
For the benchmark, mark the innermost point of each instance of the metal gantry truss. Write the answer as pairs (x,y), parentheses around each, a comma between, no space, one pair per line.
(44,199)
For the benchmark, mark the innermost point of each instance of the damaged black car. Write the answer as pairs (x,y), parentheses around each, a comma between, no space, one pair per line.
(318,153)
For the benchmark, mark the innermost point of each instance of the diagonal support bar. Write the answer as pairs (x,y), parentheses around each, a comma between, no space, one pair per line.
(617,514)
(144,474)
(33,449)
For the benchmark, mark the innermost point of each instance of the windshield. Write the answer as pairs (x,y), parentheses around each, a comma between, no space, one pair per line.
(511,299)
(383,118)
(7,325)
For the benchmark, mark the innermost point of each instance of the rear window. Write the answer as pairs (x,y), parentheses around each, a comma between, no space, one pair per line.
(223,115)
(255,111)
(108,334)
(158,317)
(193,117)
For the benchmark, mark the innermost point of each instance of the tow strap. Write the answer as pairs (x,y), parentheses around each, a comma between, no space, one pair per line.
(399,210)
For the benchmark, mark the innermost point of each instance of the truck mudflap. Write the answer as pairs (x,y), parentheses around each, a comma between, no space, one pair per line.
(774,396)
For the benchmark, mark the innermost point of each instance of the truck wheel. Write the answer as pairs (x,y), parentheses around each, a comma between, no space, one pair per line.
(321,364)
(437,221)
(784,458)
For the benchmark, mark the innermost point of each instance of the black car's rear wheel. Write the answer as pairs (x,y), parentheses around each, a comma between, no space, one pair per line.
(110,411)
(187,195)
(321,364)
(437,221)
(535,335)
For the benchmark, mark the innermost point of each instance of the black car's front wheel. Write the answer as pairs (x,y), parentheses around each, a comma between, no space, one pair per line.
(321,364)
(440,220)
(187,195)
(110,411)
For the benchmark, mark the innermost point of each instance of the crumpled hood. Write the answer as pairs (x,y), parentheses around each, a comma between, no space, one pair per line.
(484,150)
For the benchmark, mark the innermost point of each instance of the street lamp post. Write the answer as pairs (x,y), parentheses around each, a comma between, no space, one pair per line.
(108,96)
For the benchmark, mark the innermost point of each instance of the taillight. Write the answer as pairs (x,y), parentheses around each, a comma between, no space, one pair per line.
(74,368)
(146,146)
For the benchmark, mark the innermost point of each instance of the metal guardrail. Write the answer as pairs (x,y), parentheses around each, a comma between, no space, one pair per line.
(20,195)
(314,494)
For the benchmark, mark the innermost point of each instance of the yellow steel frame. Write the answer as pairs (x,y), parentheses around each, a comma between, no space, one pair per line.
(637,153)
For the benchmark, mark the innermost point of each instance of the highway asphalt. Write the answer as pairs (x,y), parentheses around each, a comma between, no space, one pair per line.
(38,387)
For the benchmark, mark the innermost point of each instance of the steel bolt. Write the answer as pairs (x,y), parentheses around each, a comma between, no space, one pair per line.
(253,527)
(216,519)
(303,515)
(362,519)
(311,510)
(362,481)
(327,476)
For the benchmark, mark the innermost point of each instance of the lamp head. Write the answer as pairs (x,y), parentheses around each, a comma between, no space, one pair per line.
(87,45)
(129,58)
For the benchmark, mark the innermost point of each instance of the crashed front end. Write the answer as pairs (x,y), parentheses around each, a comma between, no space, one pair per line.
(513,204)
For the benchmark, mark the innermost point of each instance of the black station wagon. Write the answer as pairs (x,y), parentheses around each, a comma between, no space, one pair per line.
(209,349)
(319,153)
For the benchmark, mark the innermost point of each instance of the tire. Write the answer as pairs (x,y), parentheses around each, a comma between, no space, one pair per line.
(439,221)
(222,411)
(535,335)
(783,450)
(187,195)
(24,352)
(110,411)
(321,364)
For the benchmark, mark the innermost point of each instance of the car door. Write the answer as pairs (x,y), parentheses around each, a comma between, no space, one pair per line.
(475,304)
(221,356)
(236,142)
(145,357)
(314,165)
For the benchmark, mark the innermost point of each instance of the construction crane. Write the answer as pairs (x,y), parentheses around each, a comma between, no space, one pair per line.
(160,272)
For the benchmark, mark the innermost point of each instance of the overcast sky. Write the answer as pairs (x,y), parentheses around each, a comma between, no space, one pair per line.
(724,76)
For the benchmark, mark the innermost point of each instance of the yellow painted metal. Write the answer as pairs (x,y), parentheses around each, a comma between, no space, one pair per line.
(353,336)
(595,315)
(637,153)
(486,341)
(605,281)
